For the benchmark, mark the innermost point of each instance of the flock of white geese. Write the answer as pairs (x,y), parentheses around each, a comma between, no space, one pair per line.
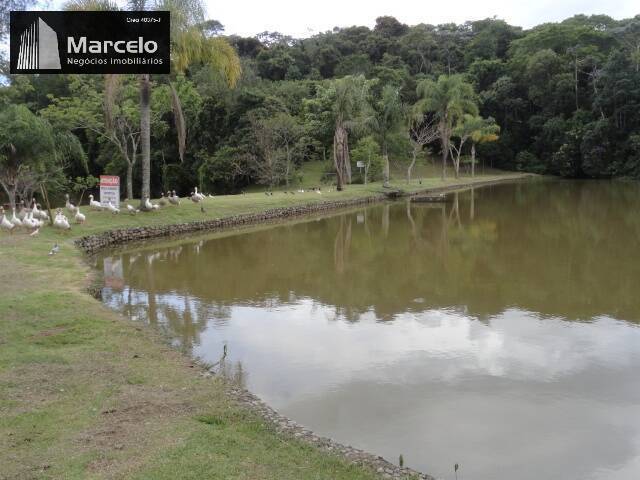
(31,219)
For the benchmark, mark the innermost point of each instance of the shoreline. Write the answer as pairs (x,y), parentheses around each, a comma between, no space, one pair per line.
(93,244)
(67,358)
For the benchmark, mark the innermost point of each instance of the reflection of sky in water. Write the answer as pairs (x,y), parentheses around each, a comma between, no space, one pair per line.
(486,331)
(496,397)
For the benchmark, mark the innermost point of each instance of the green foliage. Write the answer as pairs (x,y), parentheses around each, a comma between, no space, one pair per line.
(567,94)
(367,151)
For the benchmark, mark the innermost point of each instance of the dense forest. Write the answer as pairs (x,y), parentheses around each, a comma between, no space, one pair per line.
(560,98)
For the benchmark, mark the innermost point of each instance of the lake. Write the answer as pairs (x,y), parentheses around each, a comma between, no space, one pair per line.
(498,330)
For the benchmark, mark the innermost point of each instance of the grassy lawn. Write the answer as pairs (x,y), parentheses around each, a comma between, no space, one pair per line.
(85,393)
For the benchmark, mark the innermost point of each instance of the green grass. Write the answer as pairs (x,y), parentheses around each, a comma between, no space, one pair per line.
(84,393)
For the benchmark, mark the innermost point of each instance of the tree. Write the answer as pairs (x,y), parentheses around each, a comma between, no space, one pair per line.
(286,131)
(422,131)
(113,115)
(448,99)
(27,152)
(266,161)
(389,112)
(367,151)
(349,109)
(191,43)
(476,129)
(488,132)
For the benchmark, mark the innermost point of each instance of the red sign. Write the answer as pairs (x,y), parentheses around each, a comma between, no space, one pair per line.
(109,181)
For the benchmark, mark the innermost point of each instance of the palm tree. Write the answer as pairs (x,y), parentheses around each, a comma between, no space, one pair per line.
(488,132)
(448,98)
(476,129)
(350,107)
(189,45)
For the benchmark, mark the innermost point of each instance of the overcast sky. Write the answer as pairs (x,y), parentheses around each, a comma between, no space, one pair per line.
(300,18)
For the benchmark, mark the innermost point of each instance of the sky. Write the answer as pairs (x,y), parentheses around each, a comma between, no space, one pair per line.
(298,18)
(302,19)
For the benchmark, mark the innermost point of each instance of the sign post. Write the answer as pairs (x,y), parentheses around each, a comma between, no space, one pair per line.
(110,190)
(360,165)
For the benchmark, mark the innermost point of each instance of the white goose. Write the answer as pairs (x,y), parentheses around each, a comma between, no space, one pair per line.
(93,204)
(131,209)
(61,221)
(70,206)
(174,199)
(37,213)
(148,205)
(5,224)
(112,208)
(80,217)
(15,220)
(199,195)
(23,211)
(195,198)
(29,222)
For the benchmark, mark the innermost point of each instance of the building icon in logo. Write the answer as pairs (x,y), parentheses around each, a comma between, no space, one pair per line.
(38,48)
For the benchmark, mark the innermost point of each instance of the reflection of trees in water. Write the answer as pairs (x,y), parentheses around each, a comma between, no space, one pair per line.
(342,244)
(557,248)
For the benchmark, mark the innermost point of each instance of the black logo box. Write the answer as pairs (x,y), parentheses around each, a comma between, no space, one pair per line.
(100,26)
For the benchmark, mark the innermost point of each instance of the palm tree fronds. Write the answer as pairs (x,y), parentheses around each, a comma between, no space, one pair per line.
(181,126)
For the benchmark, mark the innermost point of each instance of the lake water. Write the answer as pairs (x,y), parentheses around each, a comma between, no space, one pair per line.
(498,331)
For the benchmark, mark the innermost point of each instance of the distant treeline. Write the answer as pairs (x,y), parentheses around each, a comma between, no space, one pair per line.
(565,96)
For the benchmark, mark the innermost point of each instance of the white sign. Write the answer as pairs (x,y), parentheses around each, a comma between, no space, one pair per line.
(360,164)
(110,190)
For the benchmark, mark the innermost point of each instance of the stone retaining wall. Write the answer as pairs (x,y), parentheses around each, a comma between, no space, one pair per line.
(94,243)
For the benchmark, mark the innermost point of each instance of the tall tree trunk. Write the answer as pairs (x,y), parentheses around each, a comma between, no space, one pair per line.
(410,167)
(129,180)
(386,169)
(444,140)
(340,155)
(145,137)
(347,159)
(288,169)
(473,159)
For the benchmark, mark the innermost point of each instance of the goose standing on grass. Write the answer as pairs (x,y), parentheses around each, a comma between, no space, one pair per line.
(70,206)
(29,222)
(195,198)
(23,211)
(163,201)
(61,221)
(173,198)
(37,213)
(5,224)
(132,210)
(147,204)
(15,220)
(199,195)
(80,218)
(112,208)
(93,204)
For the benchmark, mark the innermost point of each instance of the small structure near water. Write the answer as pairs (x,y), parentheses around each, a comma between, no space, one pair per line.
(440,198)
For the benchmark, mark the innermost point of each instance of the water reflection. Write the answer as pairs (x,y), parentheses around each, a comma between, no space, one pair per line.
(496,331)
